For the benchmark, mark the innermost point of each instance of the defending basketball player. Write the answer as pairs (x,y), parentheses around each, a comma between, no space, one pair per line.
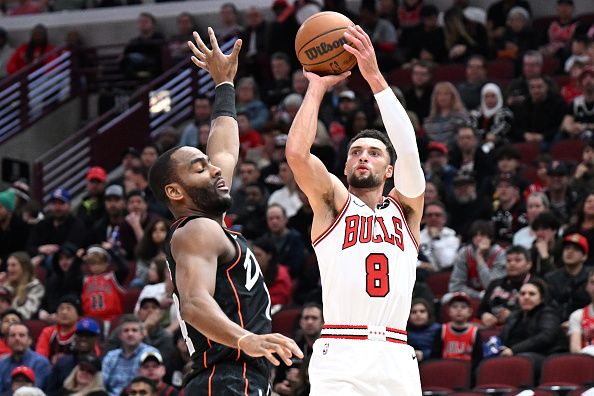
(219,291)
(366,244)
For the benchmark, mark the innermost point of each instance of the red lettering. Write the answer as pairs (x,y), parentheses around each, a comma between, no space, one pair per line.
(366,231)
(399,240)
(387,237)
(351,231)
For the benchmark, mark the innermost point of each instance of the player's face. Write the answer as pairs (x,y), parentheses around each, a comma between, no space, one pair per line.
(202,182)
(368,163)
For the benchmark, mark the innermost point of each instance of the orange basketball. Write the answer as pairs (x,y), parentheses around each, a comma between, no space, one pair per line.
(319,43)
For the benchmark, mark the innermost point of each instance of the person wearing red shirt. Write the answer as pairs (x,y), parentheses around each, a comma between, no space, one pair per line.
(276,276)
(56,340)
(30,52)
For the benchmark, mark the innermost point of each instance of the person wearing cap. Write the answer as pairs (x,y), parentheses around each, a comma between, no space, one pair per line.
(438,242)
(153,368)
(151,313)
(437,167)
(509,214)
(459,338)
(91,207)
(65,278)
(56,340)
(19,341)
(58,227)
(86,342)
(102,290)
(85,379)
(107,228)
(13,230)
(563,199)
(568,284)
(21,376)
(532,66)
(579,117)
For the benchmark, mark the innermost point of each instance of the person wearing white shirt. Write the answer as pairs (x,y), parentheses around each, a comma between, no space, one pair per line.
(287,197)
(438,242)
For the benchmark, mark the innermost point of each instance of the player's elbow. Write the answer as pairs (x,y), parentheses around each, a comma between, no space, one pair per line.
(295,154)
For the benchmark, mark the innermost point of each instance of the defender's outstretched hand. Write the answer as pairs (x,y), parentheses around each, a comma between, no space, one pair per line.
(362,48)
(265,345)
(220,66)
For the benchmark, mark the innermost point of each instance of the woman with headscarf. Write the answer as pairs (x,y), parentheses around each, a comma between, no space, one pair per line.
(518,37)
(493,121)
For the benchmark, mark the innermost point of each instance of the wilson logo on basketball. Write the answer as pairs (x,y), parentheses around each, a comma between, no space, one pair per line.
(322,49)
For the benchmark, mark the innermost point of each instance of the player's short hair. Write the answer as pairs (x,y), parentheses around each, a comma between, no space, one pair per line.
(162,173)
(375,134)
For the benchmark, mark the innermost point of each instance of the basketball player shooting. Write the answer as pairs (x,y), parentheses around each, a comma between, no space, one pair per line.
(219,291)
(366,244)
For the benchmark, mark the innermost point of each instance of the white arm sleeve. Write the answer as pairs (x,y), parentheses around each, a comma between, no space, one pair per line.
(409,179)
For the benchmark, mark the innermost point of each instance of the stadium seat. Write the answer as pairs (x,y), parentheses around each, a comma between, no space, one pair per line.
(466,394)
(35,327)
(129,300)
(567,370)
(453,73)
(438,283)
(505,373)
(500,68)
(542,24)
(529,152)
(530,172)
(400,78)
(569,150)
(579,391)
(444,375)
(561,80)
(550,65)
(285,321)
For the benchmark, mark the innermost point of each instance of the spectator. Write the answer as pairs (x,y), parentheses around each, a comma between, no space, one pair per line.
(130,159)
(494,122)
(249,174)
(539,117)
(546,249)
(347,105)
(581,323)
(468,157)
(107,228)
(121,365)
(157,285)
(202,111)
(438,242)
(142,386)
(248,102)
(381,32)
(501,296)
(254,55)
(463,37)
(288,242)
(421,328)
(579,52)
(150,313)
(573,89)
(419,96)
(92,208)
(562,199)
(275,89)
(568,284)
(498,14)
(582,181)
(19,341)
(7,317)
(466,205)
(229,27)
(478,263)
(149,248)
(579,117)
(508,163)
(5,52)
(533,329)
(433,191)
(32,51)
(178,43)
(476,78)
(149,155)
(426,42)
(437,167)
(459,339)
(137,219)
(409,17)
(276,275)
(284,25)
(179,360)
(561,31)
(249,139)
(584,223)
(85,378)
(252,217)
(517,90)
(447,114)
(57,340)
(518,36)
(13,230)
(20,280)
(20,377)
(136,179)
(510,212)
(5,300)
(142,57)
(287,197)
(300,82)
(536,203)
(152,367)
(102,289)
(59,227)
(86,341)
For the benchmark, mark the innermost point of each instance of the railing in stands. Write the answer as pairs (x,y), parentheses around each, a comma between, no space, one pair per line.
(37,90)
(164,102)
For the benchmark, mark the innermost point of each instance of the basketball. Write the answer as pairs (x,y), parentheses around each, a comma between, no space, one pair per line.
(319,43)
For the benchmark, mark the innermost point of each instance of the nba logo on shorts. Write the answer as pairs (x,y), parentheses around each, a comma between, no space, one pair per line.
(325,350)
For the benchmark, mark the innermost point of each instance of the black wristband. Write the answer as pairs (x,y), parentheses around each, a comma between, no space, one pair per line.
(224,103)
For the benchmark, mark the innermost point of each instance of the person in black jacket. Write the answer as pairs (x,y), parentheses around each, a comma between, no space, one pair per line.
(534,329)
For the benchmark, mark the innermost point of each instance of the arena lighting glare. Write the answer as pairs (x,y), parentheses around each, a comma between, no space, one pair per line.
(160,101)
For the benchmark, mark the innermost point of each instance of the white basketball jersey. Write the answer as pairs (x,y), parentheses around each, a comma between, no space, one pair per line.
(367,260)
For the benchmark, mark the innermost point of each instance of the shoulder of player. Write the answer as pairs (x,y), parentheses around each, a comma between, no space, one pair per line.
(191,235)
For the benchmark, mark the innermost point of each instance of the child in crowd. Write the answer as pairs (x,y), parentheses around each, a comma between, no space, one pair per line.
(421,328)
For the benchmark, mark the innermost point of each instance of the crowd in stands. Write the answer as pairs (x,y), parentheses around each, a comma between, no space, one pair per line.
(85,294)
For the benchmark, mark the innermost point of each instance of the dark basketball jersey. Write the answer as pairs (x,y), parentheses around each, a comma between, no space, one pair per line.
(242,295)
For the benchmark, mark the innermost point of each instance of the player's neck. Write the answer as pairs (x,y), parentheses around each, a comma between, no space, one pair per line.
(187,212)
(371,196)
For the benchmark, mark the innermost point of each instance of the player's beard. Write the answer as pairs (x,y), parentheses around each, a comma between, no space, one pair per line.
(209,199)
(369,181)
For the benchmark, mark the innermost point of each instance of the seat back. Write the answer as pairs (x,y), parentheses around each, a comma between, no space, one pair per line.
(129,300)
(438,282)
(568,369)
(515,371)
(285,321)
(445,373)
(569,150)
(528,152)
